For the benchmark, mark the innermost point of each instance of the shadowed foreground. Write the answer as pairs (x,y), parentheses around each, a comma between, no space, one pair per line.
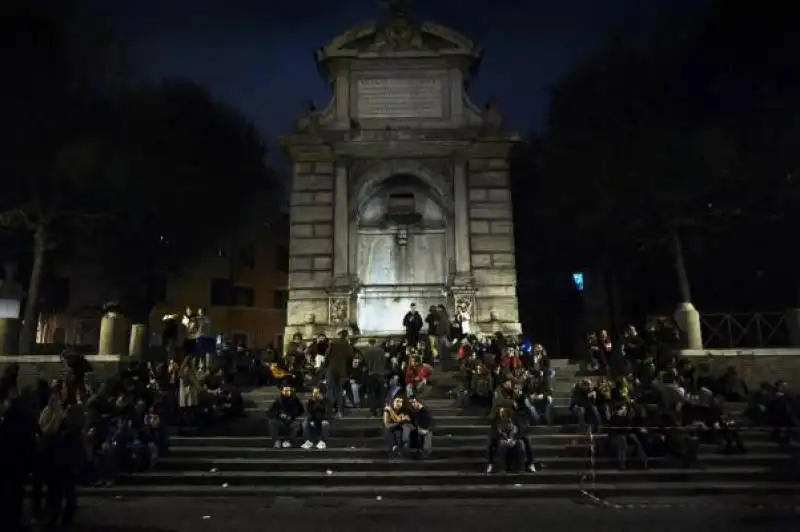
(245,514)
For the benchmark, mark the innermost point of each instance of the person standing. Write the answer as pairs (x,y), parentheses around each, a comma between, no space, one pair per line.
(442,330)
(169,335)
(17,445)
(375,359)
(189,321)
(337,364)
(205,340)
(412,323)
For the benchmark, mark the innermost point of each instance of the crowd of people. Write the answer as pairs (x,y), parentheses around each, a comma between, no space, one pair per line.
(637,391)
(75,431)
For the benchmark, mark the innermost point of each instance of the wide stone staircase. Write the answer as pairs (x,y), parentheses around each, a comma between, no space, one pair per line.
(239,460)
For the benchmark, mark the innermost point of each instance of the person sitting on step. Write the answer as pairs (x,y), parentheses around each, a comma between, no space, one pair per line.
(422,435)
(623,434)
(317,423)
(508,448)
(357,380)
(284,425)
(397,426)
(417,376)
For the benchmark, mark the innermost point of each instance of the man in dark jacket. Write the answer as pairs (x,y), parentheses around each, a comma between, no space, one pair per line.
(283,422)
(337,364)
(376,360)
(422,420)
(412,323)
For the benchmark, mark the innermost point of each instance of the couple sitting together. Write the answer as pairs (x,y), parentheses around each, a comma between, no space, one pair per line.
(407,427)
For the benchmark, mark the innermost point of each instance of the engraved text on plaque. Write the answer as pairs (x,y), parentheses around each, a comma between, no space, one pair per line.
(400,98)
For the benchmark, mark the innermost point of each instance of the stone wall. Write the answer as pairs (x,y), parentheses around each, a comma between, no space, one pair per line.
(756,365)
(492,243)
(310,243)
(49,367)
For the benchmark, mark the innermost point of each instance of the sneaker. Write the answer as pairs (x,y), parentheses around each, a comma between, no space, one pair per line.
(277,444)
(321,445)
(531,469)
(286,444)
(489,469)
(307,445)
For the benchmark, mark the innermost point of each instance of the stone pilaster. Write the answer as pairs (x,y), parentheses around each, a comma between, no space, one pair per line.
(491,239)
(341,225)
(461,218)
(310,247)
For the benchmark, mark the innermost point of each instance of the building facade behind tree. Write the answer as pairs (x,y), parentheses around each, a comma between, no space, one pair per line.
(243,289)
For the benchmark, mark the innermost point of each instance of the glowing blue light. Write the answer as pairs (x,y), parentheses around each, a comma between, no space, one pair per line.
(577,278)
(525,345)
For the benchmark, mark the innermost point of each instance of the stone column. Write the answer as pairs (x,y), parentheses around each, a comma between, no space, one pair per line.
(341,227)
(112,335)
(139,344)
(9,336)
(461,217)
(688,320)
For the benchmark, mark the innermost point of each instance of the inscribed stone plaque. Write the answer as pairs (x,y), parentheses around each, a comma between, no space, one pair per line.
(400,98)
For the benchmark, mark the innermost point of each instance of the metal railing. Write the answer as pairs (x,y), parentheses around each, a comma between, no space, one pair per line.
(755,329)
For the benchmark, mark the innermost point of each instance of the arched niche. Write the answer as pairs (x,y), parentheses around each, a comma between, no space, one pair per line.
(397,195)
(400,231)
(369,183)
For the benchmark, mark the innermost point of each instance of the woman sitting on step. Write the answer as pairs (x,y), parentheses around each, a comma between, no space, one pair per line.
(397,426)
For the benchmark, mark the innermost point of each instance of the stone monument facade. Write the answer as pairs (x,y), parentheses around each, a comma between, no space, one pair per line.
(400,189)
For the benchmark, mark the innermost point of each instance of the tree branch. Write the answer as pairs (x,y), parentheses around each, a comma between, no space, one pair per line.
(16,218)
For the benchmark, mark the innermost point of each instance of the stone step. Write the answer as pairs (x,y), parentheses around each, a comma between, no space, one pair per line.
(314,460)
(424,477)
(375,440)
(384,493)
(375,429)
(449,449)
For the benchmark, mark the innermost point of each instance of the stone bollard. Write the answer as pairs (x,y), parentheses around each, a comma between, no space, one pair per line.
(688,320)
(9,336)
(139,344)
(113,335)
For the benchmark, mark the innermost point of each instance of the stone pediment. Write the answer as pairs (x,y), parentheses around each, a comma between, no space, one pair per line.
(398,38)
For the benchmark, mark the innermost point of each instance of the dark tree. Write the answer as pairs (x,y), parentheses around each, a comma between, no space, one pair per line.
(189,174)
(56,67)
(649,146)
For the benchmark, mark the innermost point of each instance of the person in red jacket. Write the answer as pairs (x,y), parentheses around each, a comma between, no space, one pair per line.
(417,376)
(510,360)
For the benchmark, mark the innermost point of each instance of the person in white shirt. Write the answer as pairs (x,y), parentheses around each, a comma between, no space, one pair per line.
(190,341)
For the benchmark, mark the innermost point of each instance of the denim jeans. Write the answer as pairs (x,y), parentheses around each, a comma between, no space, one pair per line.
(424,441)
(540,410)
(588,416)
(353,393)
(398,435)
(395,386)
(316,430)
(511,456)
(335,391)
(416,388)
(376,388)
(443,345)
(284,430)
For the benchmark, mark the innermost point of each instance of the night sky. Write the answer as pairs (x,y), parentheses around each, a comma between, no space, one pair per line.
(257,54)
